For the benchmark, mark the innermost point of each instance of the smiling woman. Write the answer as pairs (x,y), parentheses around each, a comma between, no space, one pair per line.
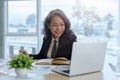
(58,36)
(57,26)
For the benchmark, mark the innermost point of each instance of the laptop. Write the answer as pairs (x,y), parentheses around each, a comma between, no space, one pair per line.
(87,57)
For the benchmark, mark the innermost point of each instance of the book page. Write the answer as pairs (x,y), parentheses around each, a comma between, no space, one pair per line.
(3,62)
(60,61)
(55,61)
(3,72)
(44,62)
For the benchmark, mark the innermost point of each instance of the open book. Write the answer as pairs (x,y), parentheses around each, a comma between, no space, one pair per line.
(3,72)
(3,62)
(55,61)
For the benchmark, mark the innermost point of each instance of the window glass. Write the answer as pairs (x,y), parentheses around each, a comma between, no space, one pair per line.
(89,18)
(93,19)
(14,44)
(21,29)
(22,16)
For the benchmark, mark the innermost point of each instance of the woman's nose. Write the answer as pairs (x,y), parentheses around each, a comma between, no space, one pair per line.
(58,27)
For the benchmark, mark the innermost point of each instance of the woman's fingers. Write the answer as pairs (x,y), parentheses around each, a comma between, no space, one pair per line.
(23,52)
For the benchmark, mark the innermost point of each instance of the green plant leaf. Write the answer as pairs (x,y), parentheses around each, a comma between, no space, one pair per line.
(21,61)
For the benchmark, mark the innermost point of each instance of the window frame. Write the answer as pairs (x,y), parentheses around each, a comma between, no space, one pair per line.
(15,34)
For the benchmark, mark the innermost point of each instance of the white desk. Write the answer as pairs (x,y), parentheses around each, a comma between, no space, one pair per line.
(45,73)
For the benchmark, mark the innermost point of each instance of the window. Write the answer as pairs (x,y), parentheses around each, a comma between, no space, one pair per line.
(22,17)
(21,26)
(91,19)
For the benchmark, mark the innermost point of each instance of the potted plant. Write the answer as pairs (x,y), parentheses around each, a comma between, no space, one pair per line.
(21,63)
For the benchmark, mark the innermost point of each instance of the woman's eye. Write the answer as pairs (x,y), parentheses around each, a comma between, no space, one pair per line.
(62,24)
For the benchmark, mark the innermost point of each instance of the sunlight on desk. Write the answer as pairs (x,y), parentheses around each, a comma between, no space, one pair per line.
(44,72)
(91,76)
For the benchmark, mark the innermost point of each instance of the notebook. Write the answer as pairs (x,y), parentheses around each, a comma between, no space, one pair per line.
(87,57)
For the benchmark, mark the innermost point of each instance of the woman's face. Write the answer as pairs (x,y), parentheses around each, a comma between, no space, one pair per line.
(57,26)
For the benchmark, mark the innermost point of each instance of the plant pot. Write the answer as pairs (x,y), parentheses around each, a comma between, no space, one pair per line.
(21,72)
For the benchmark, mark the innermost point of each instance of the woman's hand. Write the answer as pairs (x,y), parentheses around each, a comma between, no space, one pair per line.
(23,52)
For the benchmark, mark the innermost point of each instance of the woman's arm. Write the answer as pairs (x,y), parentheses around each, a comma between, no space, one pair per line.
(44,49)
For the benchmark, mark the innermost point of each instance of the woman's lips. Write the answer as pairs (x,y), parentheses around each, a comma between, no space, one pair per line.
(58,33)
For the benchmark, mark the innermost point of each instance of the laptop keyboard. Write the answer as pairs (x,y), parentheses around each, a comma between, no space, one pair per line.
(62,68)
(66,71)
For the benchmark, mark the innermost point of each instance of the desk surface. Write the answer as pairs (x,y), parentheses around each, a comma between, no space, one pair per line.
(44,73)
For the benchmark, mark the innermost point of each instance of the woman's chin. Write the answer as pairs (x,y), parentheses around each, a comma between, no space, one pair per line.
(57,36)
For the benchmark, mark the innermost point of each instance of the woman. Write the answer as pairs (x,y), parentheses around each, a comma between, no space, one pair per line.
(56,27)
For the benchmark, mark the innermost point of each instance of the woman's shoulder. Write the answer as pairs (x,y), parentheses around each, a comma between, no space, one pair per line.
(70,36)
(46,37)
(68,39)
